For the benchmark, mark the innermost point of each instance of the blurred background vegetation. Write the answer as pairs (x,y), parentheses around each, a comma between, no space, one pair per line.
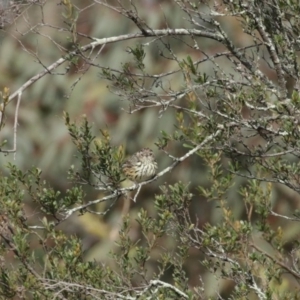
(43,140)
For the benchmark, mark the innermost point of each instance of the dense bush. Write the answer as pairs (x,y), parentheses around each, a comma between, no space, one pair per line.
(212,88)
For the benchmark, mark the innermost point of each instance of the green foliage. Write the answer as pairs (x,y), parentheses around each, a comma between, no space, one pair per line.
(220,219)
(100,162)
(138,55)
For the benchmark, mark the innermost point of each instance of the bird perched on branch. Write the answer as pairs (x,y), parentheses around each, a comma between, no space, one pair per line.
(140,166)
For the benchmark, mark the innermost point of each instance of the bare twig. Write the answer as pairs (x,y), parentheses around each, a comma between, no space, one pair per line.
(15,127)
(103,41)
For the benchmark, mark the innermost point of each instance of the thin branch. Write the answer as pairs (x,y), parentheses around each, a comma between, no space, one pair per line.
(137,193)
(15,127)
(271,48)
(295,219)
(100,42)
(284,266)
(162,284)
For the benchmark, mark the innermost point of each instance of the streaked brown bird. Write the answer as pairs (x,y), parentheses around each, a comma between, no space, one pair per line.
(140,166)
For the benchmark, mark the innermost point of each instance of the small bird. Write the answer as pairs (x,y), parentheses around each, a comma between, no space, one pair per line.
(140,166)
